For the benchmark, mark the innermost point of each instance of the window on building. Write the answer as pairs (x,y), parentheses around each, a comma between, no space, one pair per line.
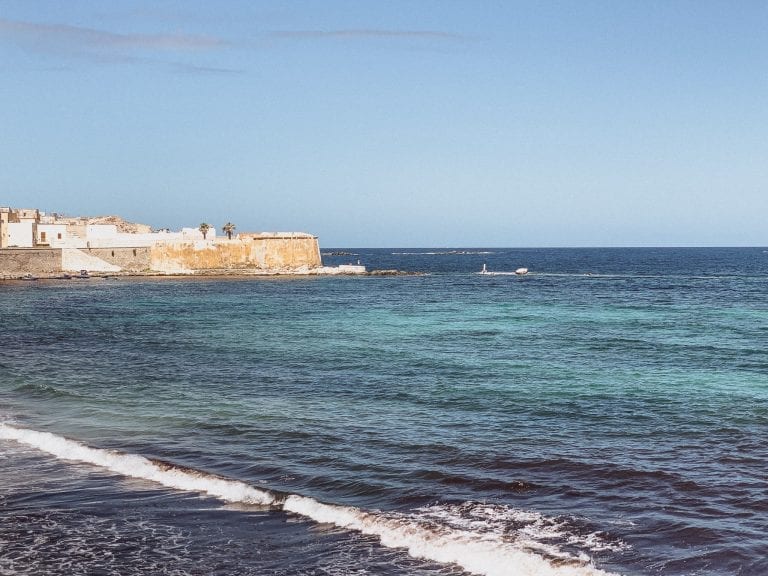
(58,236)
(42,237)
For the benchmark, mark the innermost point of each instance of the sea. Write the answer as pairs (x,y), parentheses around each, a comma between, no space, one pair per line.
(607,413)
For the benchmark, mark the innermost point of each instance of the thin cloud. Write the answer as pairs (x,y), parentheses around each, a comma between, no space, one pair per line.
(57,37)
(194,69)
(157,63)
(100,47)
(367,33)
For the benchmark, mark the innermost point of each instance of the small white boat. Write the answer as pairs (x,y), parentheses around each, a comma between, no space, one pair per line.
(518,272)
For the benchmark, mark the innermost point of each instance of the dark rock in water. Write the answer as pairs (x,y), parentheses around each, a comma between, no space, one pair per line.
(339,253)
(394,273)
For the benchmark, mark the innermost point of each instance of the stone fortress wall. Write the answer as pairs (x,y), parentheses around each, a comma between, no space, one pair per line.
(38,244)
(131,259)
(277,252)
(17,262)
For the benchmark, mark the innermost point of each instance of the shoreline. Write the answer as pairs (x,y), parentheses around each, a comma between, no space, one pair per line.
(202,275)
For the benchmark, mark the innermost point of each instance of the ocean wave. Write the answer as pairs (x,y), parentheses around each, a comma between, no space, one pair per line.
(533,530)
(476,537)
(45,390)
(479,482)
(132,465)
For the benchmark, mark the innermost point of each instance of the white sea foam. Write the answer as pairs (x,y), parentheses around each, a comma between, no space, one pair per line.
(436,533)
(533,530)
(138,467)
(476,552)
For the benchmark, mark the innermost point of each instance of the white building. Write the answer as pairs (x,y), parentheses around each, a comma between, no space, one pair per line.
(94,232)
(18,228)
(20,234)
(52,235)
(29,228)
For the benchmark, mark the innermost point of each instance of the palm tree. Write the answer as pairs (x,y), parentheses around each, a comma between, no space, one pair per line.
(228,228)
(204,227)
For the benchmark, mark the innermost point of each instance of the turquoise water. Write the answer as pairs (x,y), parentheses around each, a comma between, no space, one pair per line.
(608,411)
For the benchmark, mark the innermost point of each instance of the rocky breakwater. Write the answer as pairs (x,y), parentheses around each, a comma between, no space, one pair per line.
(395,273)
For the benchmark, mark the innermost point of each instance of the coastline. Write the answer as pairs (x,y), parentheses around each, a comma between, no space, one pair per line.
(235,274)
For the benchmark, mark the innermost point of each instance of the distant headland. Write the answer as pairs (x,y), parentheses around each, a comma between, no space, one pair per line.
(35,243)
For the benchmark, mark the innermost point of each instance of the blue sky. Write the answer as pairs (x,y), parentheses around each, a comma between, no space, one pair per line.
(395,123)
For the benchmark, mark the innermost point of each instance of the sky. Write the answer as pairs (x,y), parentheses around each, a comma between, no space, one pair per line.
(397,123)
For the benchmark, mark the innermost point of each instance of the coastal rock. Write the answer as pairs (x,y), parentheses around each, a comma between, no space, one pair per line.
(394,273)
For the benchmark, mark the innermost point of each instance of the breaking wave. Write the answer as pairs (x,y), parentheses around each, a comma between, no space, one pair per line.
(474,536)
(136,466)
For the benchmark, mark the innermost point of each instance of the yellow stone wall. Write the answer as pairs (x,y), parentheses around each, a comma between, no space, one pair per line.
(258,252)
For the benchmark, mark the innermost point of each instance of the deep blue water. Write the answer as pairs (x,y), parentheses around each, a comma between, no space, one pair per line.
(608,411)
